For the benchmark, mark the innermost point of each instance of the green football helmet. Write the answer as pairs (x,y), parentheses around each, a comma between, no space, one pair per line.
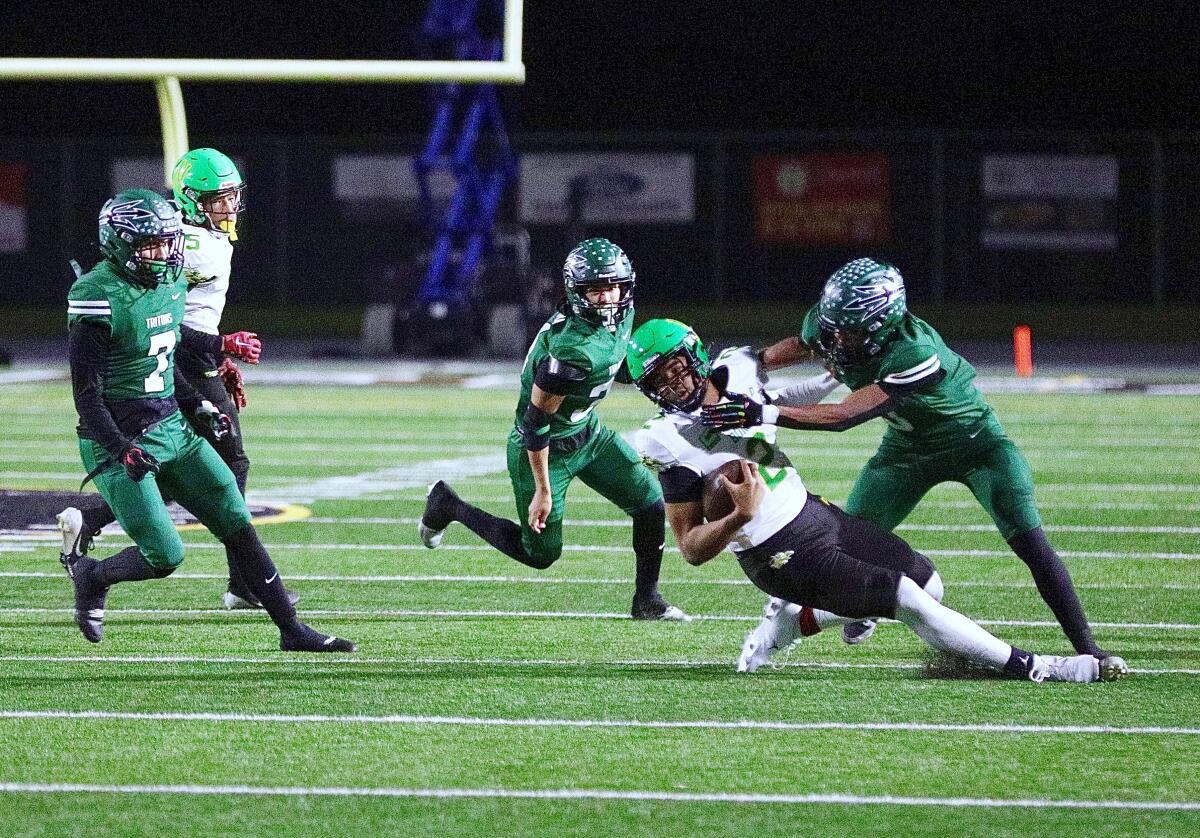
(134,220)
(651,347)
(202,176)
(598,262)
(860,306)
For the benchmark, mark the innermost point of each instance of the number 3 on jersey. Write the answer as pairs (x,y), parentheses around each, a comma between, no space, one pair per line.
(161,347)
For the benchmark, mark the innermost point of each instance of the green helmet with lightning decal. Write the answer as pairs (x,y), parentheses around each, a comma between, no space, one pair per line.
(200,178)
(861,304)
(137,219)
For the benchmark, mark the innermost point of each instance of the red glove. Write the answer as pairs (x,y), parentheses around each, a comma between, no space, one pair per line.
(244,345)
(235,385)
(138,463)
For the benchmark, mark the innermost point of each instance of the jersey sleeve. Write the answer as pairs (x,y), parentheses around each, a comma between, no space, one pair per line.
(88,303)
(910,364)
(569,367)
(809,391)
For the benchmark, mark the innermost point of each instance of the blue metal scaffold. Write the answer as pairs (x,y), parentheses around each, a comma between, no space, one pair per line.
(468,140)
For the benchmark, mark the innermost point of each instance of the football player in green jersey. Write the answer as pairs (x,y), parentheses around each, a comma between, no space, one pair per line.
(208,188)
(557,435)
(124,318)
(940,427)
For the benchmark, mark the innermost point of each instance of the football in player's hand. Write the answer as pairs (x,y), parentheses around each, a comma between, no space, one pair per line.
(715,498)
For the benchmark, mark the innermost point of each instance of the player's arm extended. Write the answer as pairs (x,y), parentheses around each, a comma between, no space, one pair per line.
(784,353)
(698,540)
(88,351)
(860,406)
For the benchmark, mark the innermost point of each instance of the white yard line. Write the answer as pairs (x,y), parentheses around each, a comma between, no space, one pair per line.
(599,794)
(22,542)
(668,724)
(564,615)
(625,522)
(557,580)
(323,660)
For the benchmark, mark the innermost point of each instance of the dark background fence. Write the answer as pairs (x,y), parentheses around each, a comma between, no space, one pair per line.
(300,243)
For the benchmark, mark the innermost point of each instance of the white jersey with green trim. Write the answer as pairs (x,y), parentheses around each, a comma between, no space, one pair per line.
(678,439)
(207,262)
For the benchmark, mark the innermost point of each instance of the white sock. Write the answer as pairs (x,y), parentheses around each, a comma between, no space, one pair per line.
(946,629)
(934,587)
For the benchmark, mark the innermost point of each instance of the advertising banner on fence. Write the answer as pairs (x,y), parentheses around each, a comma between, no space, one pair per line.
(616,188)
(365,178)
(822,199)
(1050,201)
(13,225)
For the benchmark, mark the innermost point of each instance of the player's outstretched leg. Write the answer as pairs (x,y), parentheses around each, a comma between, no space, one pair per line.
(946,629)
(443,506)
(262,577)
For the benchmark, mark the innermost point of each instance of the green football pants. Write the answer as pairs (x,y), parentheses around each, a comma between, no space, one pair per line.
(893,481)
(606,463)
(192,474)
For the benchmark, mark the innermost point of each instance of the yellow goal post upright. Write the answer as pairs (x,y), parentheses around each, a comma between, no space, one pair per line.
(167,73)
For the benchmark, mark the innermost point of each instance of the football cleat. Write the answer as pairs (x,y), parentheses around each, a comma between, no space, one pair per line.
(1113,668)
(74,541)
(238,598)
(440,501)
(1080,669)
(89,595)
(855,633)
(779,629)
(310,640)
(657,608)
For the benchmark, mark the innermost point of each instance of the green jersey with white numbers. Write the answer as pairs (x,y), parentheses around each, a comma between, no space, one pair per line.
(950,413)
(592,349)
(143,325)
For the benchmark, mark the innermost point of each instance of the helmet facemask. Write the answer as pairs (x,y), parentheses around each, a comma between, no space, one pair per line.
(149,270)
(608,315)
(677,381)
(224,218)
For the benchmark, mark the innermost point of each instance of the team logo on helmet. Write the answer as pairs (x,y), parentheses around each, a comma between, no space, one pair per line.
(124,216)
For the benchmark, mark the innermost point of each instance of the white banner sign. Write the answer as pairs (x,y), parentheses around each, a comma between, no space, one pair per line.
(612,188)
(1050,176)
(1050,201)
(385,177)
(146,173)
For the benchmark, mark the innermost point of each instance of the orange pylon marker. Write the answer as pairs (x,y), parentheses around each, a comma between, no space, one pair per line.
(1023,351)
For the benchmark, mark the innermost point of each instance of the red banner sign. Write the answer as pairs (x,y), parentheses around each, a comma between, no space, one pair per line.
(822,199)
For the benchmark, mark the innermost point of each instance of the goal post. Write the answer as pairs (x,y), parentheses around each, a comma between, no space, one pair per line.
(167,73)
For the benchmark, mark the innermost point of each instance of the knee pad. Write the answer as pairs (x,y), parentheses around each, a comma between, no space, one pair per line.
(651,512)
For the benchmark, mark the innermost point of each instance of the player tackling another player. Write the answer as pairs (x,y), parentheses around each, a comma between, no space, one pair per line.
(940,428)
(793,545)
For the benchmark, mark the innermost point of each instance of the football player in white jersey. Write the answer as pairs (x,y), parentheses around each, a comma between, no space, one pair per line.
(820,566)
(208,190)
